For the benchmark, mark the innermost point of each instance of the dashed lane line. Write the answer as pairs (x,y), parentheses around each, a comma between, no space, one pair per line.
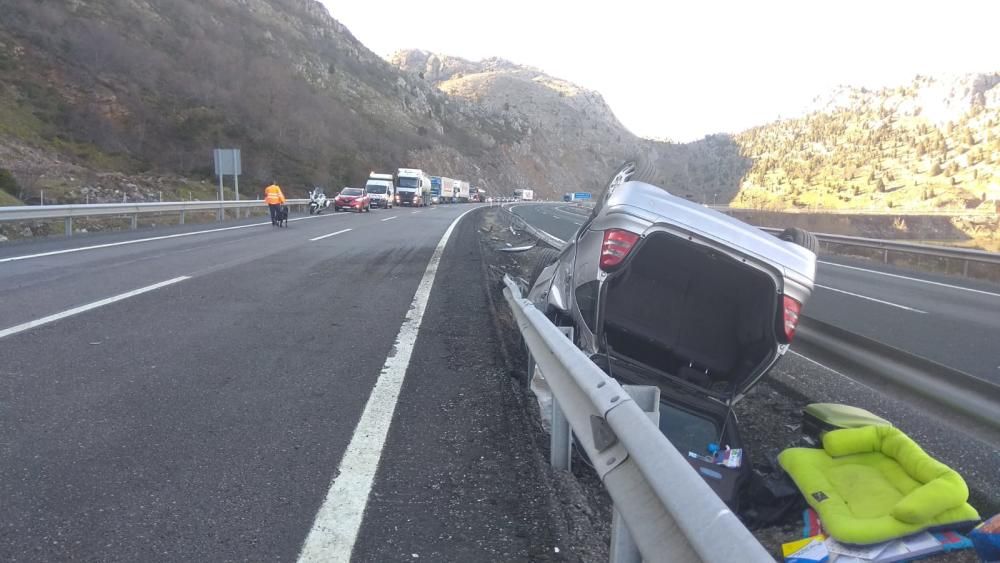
(948,285)
(90,306)
(858,295)
(321,237)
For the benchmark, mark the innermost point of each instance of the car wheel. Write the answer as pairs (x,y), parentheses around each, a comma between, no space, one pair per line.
(801,237)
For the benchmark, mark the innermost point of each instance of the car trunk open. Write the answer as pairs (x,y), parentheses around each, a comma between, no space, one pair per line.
(699,318)
(700,325)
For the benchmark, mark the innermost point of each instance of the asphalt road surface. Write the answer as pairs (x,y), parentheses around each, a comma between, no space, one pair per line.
(194,393)
(953,321)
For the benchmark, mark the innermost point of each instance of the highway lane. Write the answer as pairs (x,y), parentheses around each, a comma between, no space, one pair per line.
(951,320)
(205,419)
(32,281)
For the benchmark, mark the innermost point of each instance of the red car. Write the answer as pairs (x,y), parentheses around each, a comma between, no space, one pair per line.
(352,198)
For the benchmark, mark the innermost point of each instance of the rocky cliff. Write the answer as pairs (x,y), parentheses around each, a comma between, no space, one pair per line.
(126,98)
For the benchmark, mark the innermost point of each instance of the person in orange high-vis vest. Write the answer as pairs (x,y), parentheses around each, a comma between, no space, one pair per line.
(274,200)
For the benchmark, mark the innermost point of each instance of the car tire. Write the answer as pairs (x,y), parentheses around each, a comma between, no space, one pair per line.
(801,237)
(636,169)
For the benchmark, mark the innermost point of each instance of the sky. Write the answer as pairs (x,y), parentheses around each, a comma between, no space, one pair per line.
(681,70)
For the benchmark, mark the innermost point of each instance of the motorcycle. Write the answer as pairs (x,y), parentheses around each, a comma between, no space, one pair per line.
(317,201)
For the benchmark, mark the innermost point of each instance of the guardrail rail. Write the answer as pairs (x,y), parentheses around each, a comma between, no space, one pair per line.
(663,510)
(68,212)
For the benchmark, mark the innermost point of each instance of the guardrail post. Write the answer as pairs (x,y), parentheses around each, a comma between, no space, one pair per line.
(561,438)
(561,446)
(623,547)
(135,221)
(885,256)
(965,268)
(182,217)
(69,226)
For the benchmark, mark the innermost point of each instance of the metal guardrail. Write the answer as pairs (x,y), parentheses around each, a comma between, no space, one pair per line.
(956,390)
(877,212)
(68,212)
(518,223)
(966,255)
(668,510)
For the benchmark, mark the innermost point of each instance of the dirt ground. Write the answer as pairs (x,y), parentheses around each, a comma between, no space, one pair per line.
(769,416)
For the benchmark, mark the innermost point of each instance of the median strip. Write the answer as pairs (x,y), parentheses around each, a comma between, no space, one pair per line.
(83,308)
(321,237)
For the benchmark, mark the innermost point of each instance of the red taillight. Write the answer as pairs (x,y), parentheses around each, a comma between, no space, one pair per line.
(792,310)
(617,245)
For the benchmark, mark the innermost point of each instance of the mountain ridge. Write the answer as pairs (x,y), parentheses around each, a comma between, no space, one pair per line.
(107,99)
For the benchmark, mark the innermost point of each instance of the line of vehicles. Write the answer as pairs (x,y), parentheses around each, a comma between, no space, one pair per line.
(410,187)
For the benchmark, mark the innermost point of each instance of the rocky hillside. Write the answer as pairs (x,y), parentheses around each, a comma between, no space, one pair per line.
(560,123)
(112,99)
(108,99)
(933,144)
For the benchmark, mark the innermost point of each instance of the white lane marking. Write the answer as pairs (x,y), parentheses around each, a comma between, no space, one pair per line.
(389,218)
(414,212)
(337,523)
(890,303)
(83,308)
(147,239)
(573,217)
(340,232)
(948,285)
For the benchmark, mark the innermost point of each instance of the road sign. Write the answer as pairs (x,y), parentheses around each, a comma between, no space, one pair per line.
(581,195)
(227,162)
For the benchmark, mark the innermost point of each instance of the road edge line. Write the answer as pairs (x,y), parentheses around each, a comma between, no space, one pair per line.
(338,521)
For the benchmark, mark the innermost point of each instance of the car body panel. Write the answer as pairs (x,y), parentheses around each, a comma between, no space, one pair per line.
(710,242)
(651,212)
(360,201)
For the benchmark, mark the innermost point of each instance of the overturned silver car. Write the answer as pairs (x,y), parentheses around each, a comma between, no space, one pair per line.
(662,291)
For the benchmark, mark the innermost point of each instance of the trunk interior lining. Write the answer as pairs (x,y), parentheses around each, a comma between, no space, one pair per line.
(691,312)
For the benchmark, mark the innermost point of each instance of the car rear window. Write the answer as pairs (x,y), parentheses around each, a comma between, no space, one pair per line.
(686,431)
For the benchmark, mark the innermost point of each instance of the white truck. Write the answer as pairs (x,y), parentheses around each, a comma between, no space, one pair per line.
(413,187)
(524,195)
(380,190)
(442,189)
(461,191)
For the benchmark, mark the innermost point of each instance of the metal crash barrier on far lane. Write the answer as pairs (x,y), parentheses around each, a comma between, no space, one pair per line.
(68,212)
